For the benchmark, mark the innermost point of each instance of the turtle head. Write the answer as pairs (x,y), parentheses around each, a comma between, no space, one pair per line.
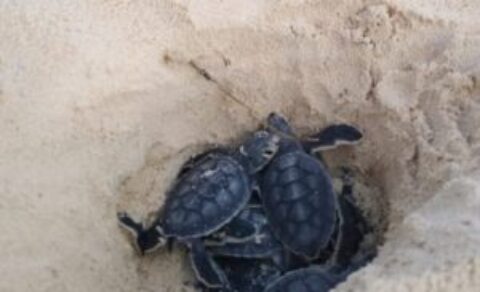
(259,149)
(279,124)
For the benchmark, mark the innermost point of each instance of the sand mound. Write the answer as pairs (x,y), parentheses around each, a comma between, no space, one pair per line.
(100,102)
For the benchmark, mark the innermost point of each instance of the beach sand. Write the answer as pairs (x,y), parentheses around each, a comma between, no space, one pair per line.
(101,102)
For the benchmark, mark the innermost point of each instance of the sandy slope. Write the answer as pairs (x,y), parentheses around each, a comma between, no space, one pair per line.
(100,101)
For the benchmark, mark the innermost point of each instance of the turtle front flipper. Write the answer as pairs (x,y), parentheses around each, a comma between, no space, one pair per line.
(206,269)
(332,137)
(146,240)
(197,159)
(238,230)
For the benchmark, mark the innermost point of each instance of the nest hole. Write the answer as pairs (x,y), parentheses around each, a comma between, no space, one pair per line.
(144,192)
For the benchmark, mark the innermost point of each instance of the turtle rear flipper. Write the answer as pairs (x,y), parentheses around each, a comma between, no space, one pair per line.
(332,137)
(206,269)
(262,244)
(146,240)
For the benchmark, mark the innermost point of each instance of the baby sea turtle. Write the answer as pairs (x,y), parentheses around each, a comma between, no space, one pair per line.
(202,200)
(311,279)
(240,228)
(297,191)
(316,278)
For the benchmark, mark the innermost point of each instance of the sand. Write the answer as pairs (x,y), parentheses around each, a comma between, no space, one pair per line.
(101,101)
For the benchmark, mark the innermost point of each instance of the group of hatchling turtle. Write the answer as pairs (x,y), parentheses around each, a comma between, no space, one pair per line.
(264,216)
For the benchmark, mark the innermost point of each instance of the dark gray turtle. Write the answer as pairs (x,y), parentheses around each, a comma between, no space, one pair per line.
(202,200)
(239,229)
(347,239)
(297,191)
(262,244)
(311,279)
(316,278)
(350,229)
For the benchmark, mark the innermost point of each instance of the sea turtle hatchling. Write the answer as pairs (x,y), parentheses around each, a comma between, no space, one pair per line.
(202,200)
(297,190)
(348,240)
(319,278)
(315,278)
(311,279)
(241,228)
